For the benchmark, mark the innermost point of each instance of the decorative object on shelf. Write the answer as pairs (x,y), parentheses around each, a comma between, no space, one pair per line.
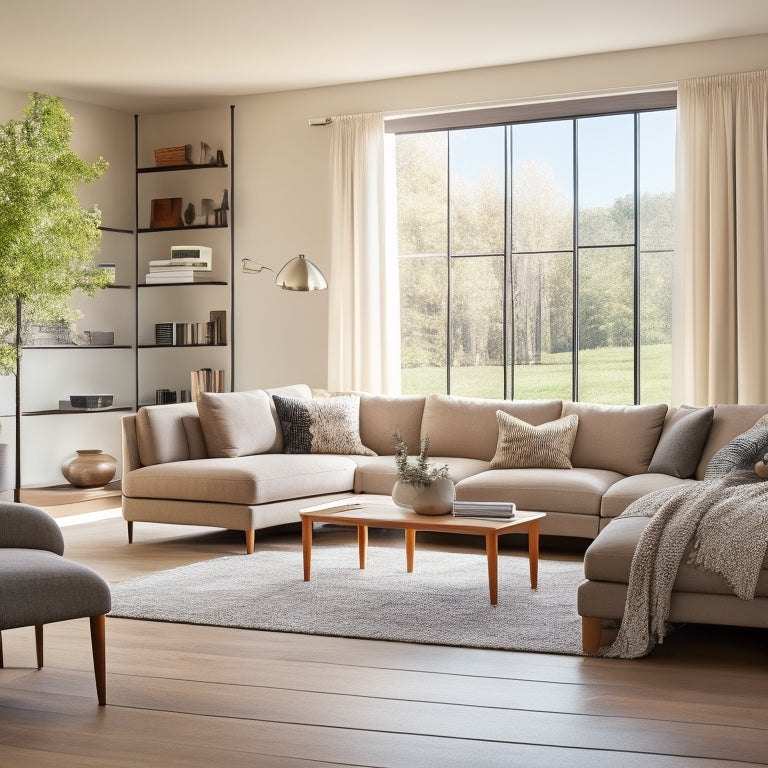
(165,212)
(89,468)
(189,214)
(55,334)
(173,155)
(206,156)
(91,401)
(164,334)
(299,274)
(422,485)
(207,209)
(220,213)
(219,320)
(99,338)
(165,396)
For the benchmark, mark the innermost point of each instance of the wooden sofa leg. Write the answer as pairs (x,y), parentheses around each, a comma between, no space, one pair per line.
(130,531)
(39,644)
(591,632)
(98,644)
(250,542)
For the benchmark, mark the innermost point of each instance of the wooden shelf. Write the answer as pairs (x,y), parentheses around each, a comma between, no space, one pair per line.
(177,229)
(53,495)
(77,411)
(185,167)
(176,282)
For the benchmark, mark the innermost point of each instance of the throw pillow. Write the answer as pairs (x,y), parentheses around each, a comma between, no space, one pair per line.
(325,425)
(522,445)
(236,423)
(682,442)
(741,453)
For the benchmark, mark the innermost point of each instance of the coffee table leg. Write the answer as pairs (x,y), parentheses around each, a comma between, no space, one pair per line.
(306,545)
(533,553)
(362,544)
(410,549)
(492,553)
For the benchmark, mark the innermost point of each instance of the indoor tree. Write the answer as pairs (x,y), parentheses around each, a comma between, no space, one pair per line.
(47,239)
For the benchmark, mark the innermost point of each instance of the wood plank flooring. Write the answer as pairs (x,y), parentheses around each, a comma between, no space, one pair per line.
(181,695)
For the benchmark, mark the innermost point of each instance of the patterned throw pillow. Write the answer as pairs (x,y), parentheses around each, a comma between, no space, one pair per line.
(522,445)
(325,425)
(741,453)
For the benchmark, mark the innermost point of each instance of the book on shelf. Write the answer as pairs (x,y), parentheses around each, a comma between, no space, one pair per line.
(206,380)
(179,265)
(503,510)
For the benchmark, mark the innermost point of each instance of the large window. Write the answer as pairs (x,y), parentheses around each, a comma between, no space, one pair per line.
(536,258)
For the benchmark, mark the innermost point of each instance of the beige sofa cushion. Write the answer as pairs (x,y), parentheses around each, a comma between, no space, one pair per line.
(576,491)
(621,438)
(522,445)
(249,480)
(236,423)
(382,415)
(468,427)
(620,495)
(160,432)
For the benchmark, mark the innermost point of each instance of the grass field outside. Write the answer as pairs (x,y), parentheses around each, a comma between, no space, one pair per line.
(605,376)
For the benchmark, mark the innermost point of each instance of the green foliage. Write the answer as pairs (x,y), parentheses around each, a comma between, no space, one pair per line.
(422,472)
(47,240)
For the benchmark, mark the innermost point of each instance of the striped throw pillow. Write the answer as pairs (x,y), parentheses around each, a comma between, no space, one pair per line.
(522,445)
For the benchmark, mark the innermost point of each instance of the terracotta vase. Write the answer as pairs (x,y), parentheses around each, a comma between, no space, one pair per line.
(435,499)
(89,468)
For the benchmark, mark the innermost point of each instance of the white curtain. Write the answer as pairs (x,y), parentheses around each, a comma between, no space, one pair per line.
(720,329)
(363,329)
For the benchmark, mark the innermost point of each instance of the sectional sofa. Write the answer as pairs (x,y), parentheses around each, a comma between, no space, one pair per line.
(222,461)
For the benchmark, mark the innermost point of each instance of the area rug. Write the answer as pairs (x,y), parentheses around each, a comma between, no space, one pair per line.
(444,601)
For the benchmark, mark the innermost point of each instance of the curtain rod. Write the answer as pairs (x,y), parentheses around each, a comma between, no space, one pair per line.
(315,121)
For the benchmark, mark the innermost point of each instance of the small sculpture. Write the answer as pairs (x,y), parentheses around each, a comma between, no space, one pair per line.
(189,214)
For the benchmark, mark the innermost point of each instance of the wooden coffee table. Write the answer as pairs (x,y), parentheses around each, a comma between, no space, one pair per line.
(381,512)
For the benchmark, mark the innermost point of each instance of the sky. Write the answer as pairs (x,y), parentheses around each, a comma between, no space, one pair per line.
(604,150)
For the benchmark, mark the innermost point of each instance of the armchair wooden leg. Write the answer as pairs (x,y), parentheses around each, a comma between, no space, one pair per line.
(250,541)
(591,632)
(39,644)
(130,531)
(98,644)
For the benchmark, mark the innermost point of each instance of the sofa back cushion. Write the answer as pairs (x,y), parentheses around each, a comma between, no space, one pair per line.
(160,433)
(621,438)
(468,426)
(382,415)
(729,421)
(682,440)
(236,423)
(290,390)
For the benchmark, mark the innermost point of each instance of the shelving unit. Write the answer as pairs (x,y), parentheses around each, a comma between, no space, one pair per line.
(50,373)
(168,366)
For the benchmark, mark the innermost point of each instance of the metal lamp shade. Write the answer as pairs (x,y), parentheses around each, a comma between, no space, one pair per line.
(300,274)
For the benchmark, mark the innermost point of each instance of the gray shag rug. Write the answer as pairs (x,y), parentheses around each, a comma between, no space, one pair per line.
(444,601)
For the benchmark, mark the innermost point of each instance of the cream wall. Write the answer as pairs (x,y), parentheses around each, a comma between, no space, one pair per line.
(282,180)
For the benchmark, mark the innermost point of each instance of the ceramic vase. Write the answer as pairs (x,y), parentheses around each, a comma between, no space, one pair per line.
(435,499)
(89,468)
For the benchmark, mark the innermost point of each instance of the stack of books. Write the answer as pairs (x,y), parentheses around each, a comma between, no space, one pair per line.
(175,274)
(502,510)
(206,380)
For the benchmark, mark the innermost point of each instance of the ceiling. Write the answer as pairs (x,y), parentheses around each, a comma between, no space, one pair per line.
(154,55)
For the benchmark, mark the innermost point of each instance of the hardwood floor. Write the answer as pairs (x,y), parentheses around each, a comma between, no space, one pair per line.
(194,696)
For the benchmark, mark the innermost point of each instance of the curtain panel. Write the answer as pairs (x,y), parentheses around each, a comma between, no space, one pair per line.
(363,320)
(720,324)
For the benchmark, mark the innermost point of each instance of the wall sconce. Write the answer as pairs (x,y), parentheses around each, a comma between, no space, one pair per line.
(299,274)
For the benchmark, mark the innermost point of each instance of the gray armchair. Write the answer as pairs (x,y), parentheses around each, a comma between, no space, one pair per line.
(39,586)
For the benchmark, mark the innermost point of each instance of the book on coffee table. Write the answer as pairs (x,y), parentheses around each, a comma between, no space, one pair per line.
(503,510)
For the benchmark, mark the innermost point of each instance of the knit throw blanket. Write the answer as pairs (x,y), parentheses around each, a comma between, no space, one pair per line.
(725,521)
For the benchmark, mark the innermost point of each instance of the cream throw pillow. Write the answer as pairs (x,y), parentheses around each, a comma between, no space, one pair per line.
(522,445)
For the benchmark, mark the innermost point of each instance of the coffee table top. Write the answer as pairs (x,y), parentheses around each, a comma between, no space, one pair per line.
(380,511)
